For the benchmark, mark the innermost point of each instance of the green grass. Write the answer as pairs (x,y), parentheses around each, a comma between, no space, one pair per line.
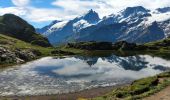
(139,88)
(159,42)
(14,43)
(73,50)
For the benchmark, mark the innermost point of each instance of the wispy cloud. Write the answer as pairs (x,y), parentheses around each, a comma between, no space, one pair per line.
(21,3)
(105,7)
(15,10)
(42,14)
(77,7)
(67,9)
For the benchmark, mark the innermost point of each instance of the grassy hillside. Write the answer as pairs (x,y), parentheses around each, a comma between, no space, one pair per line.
(15,26)
(14,51)
(159,48)
(14,43)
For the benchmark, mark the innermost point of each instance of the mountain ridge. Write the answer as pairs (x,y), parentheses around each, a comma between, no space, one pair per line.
(137,23)
(15,26)
(66,28)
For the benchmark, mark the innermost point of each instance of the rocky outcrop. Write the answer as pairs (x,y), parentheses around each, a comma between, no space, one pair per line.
(8,56)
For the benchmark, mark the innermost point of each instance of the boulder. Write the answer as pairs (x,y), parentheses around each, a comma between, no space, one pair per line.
(7,56)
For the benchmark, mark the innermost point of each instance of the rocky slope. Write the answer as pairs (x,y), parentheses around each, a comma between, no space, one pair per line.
(14,51)
(8,56)
(14,26)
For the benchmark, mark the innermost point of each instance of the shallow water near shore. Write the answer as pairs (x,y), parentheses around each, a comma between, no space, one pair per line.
(51,75)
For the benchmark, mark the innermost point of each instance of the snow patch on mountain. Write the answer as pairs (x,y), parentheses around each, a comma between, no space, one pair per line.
(58,25)
(80,25)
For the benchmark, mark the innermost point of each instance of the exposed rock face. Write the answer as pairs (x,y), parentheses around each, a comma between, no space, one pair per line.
(91,17)
(138,11)
(25,55)
(17,56)
(6,56)
(14,26)
(163,10)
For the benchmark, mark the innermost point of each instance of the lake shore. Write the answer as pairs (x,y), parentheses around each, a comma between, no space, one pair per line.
(89,93)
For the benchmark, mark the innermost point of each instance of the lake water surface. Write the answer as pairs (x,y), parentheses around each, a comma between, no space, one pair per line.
(62,75)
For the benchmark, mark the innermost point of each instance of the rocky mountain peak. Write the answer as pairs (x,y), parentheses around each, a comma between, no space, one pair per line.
(137,10)
(55,21)
(91,16)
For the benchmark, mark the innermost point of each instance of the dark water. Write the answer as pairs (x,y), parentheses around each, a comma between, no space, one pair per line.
(61,75)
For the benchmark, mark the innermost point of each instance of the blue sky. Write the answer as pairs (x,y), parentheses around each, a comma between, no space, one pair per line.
(41,12)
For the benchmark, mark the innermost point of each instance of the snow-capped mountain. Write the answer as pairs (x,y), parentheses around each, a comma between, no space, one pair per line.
(130,15)
(45,28)
(133,24)
(59,31)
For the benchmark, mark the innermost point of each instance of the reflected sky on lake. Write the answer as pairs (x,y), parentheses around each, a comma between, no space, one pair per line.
(61,75)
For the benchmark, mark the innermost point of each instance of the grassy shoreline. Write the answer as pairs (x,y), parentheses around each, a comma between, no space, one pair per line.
(138,89)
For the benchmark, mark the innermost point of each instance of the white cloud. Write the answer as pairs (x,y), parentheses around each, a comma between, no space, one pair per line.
(78,7)
(67,9)
(15,10)
(150,4)
(42,14)
(21,3)
(105,7)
